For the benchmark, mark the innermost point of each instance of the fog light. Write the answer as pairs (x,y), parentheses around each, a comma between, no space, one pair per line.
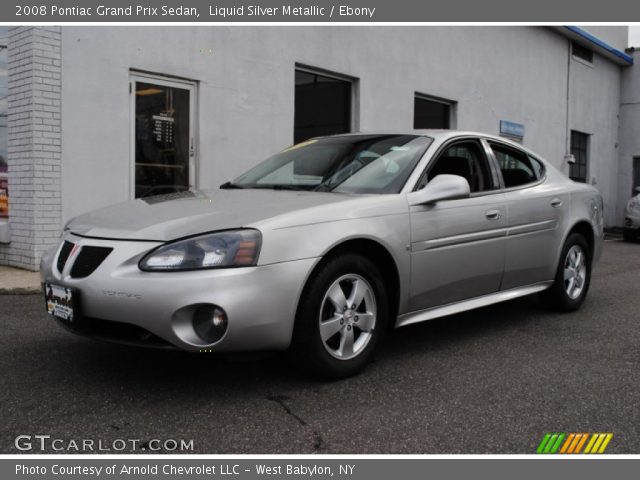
(210,323)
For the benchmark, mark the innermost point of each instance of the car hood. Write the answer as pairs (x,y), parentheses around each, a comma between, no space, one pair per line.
(167,217)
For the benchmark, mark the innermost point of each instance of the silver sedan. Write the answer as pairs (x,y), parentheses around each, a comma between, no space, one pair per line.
(632,218)
(325,246)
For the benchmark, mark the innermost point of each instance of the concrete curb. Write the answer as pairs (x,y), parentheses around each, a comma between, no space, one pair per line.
(15,281)
(20,291)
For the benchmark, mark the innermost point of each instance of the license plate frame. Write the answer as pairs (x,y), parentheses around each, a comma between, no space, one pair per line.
(61,302)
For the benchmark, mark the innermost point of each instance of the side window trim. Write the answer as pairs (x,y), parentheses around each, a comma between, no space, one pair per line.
(504,188)
(493,164)
(543,169)
(496,186)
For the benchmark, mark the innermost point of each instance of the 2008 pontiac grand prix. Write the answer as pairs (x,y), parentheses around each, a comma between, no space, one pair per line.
(325,246)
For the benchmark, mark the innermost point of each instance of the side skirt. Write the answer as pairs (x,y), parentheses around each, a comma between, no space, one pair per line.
(463,306)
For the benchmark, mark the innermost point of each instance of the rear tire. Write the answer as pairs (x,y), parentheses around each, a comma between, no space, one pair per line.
(341,319)
(573,276)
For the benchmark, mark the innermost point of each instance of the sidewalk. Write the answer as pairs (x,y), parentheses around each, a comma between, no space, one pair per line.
(18,281)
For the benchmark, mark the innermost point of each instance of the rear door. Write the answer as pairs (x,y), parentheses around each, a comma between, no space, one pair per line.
(535,212)
(458,246)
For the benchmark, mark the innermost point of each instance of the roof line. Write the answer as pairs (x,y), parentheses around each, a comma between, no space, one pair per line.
(600,44)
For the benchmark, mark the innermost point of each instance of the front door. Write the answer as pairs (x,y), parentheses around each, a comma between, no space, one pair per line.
(162,135)
(458,246)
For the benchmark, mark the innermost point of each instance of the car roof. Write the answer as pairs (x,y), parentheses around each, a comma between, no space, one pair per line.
(439,135)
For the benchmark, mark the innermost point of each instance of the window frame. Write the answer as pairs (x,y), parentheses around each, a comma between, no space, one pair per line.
(496,163)
(354,101)
(170,81)
(587,61)
(587,147)
(451,104)
(496,181)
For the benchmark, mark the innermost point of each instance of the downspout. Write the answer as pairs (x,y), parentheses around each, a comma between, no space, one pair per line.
(568,158)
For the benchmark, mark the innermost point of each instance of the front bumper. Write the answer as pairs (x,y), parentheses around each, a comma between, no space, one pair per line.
(632,223)
(119,302)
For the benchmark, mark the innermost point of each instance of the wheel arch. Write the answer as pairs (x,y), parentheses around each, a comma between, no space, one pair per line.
(375,251)
(584,228)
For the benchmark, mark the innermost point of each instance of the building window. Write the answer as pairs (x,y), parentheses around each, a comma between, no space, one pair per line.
(583,53)
(322,105)
(580,152)
(636,176)
(431,113)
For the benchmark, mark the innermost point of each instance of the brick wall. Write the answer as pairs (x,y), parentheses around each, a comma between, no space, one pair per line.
(34,150)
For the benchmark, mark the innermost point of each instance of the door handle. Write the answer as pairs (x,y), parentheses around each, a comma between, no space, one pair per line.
(493,214)
(556,202)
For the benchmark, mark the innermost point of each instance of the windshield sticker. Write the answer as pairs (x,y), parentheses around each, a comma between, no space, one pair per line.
(299,145)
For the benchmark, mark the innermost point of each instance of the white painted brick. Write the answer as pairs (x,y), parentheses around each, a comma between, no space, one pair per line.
(34,143)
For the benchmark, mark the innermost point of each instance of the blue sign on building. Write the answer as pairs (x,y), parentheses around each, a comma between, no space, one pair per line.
(511,129)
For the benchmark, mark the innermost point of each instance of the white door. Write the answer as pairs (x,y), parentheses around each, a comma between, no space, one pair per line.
(163,135)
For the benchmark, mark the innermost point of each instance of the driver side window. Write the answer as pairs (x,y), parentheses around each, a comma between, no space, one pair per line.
(464,159)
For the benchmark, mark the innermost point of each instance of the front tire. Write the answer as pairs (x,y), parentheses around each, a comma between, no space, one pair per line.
(573,276)
(341,319)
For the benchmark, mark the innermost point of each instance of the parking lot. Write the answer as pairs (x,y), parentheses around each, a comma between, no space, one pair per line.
(488,381)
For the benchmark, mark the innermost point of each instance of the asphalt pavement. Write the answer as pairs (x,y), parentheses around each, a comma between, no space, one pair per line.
(494,380)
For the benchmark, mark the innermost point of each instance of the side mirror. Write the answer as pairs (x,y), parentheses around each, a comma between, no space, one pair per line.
(442,187)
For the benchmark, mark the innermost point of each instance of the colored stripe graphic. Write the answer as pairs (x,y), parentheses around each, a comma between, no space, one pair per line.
(576,446)
(592,440)
(567,442)
(556,446)
(606,441)
(550,443)
(572,443)
(581,443)
(543,443)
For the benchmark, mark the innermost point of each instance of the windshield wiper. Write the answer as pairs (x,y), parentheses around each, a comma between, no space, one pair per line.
(324,187)
(279,186)
(288,187)
(230,185)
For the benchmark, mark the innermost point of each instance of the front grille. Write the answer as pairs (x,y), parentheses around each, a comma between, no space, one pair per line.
(64,255)
(118,332)
(88,260)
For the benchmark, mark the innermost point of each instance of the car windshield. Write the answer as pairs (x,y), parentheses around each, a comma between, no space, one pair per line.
(346,164)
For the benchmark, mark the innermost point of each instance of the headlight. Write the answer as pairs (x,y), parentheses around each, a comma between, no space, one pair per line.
(232,248)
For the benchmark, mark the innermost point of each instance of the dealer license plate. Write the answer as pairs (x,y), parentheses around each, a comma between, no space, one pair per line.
(60,301)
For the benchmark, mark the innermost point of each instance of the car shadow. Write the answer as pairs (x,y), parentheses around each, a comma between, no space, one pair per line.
(487,321)
(112,365)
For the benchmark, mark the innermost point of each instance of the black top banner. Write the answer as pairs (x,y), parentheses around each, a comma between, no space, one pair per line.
(566,11)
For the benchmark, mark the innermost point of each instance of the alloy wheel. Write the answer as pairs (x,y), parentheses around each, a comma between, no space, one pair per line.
(347,316)
(575,272)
